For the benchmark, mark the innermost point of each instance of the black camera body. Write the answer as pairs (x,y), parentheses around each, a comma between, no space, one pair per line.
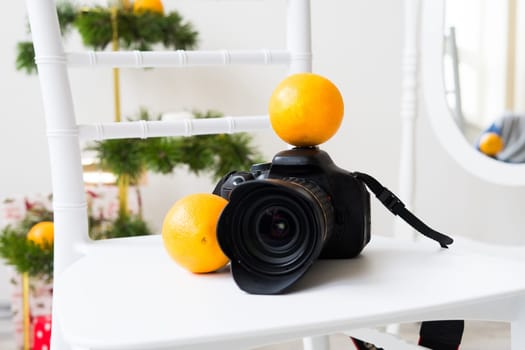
(284,215)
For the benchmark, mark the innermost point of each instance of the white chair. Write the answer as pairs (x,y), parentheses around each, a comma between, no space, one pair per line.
(127,294)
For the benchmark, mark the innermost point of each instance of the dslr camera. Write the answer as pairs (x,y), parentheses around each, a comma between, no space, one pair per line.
(282,216)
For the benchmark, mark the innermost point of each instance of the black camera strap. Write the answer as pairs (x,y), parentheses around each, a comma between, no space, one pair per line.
(394,204)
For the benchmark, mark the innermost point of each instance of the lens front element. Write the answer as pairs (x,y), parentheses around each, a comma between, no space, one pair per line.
(276,227)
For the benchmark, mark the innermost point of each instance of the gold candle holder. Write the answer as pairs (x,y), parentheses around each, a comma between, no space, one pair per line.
(25,311)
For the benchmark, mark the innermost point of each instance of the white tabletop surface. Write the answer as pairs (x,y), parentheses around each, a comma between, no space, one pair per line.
(138,295)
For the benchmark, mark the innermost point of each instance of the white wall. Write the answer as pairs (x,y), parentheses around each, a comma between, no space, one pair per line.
(357,44)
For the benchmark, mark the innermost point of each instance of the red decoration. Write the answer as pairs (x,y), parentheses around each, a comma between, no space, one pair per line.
(41,333)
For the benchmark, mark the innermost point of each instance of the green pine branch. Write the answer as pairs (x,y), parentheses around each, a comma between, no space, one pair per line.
(25,255)
(136,31)
(25,58)
(127,226)
(67,14)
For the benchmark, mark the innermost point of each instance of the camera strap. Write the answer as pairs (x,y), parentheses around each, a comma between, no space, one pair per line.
(394,204)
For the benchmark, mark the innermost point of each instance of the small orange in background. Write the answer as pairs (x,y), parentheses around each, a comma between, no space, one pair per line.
(148,5)
(189,232)
(491,144)
(42,233)
(306,109)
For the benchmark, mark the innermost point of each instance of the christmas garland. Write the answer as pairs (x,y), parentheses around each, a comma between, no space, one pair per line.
(36,260)
(25,255)
(136,30)
(218,154)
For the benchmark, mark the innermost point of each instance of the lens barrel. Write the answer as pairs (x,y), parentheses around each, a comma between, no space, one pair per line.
(273,230)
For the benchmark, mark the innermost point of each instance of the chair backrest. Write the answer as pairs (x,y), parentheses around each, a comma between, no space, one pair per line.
(64,134)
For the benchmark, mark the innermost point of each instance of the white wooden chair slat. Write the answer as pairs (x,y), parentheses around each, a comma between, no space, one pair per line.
(179,58)
(183,127)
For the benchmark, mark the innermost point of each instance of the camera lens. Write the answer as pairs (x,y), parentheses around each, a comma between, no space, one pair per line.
(275,227)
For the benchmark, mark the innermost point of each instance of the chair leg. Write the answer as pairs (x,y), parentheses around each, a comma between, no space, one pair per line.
(517,335)
(57,341)
(517,329)
(316,343)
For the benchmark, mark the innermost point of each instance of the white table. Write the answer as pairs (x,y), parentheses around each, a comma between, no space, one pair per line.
(391,282)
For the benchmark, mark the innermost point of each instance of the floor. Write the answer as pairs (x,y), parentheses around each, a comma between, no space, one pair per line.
(477,336)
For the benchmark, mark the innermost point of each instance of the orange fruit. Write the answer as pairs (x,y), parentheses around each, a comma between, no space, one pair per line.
(189,232)
(125,4)
(306,109)
(148,5)
(491,144)
(42,233)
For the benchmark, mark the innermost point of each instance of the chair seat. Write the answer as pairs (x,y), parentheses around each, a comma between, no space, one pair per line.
(135,297)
